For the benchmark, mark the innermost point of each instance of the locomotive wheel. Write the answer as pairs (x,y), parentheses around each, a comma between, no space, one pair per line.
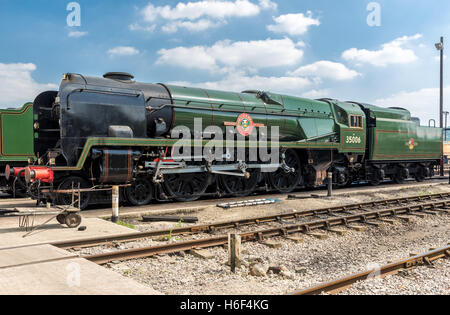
(140,193)
(61,218)
(376,178)
(376,181)
(343,182)
(73,220)
(240,186)
(420,174)
(186,187)
(33,191)
(286,182)
(399,177)
(66,199)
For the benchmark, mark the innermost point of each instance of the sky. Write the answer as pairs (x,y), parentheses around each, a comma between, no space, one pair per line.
(354,50)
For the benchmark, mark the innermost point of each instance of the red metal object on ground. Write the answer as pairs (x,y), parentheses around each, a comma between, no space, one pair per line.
(42,173)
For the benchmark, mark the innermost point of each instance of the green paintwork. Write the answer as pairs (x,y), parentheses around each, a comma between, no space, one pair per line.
(396,138)
(298,119)
(404,140)
(17,134)
(389,113)
(352,139)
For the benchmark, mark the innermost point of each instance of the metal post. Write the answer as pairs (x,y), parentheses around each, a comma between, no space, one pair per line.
(440,47)
(445,128)
(330,184)
(115,204)
(445,140)
(79,196)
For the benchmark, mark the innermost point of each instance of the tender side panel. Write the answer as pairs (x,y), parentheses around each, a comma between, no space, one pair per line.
(17,134)
(404,140)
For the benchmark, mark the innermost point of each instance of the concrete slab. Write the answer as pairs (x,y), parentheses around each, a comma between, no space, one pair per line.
(11,236)
(11,203)
(75,276)
(31,255)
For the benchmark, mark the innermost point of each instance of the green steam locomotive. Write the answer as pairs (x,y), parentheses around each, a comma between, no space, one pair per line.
(97,132)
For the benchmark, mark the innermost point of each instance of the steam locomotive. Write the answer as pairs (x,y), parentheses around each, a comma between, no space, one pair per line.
(97,132)
(16,146)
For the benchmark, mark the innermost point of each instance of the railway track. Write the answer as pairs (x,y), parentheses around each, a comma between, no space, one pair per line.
(344,283)
(215,227)
(335,217)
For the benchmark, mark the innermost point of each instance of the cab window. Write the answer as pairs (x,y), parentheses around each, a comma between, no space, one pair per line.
(342,116)
(356,121)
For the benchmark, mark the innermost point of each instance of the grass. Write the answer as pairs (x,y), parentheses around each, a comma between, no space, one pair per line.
(178,225)
(126,224)
(425,192)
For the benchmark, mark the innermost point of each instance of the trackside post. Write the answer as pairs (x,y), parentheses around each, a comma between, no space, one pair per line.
(234,248)
(330,184)
(115,204)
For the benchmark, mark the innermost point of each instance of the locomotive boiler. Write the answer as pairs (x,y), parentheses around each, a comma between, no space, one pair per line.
(96,132)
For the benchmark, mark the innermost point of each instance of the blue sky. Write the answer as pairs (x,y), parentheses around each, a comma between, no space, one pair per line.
(307,48)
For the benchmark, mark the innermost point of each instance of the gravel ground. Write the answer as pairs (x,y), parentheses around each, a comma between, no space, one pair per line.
(211,214)
(418,281)
(309,263)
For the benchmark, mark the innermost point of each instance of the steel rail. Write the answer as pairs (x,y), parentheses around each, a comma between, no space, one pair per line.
(89,242)
(260,235)
(342,284)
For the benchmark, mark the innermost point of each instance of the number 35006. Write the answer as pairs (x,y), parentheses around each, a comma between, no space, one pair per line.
(353,140)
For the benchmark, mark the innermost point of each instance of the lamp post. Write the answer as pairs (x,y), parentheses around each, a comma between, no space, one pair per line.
(440,47)
(445,128)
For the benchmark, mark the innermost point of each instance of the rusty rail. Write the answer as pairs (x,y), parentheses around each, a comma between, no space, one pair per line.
(89,242)
(305,227)
(340,285)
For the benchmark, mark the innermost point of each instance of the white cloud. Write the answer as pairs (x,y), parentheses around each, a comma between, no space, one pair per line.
(189,58)
(423,103)
(238,82)
(202,15)
(197,26)
(438,58)
(137,27)
(316,94)
(77,34)
(17,85)
(251,55)
(268,5)
(123,51)
(293,24)
(390,53)
(196,10)
(326,70)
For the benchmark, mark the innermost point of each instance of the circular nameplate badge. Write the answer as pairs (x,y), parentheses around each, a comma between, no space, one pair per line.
(245,124)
